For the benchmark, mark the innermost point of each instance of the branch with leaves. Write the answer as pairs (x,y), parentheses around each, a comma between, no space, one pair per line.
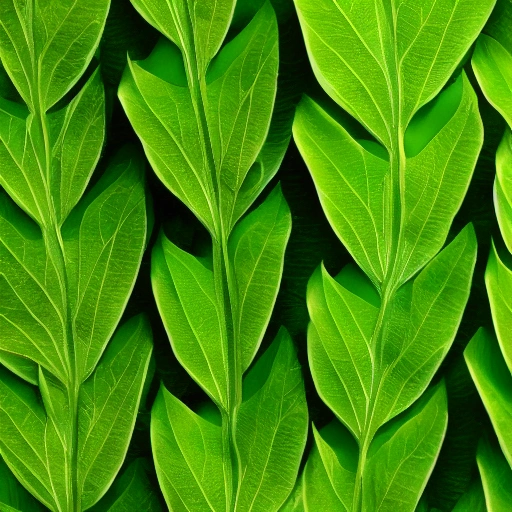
(390,180)
(203,109)
(69,254)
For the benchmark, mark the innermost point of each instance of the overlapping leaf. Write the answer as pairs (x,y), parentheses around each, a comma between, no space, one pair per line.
(489,357)
(68,263)
(377,337)
(204,113)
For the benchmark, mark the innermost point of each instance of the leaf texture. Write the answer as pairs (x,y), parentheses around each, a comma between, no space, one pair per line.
(202,105)
(71,384)
(381,328)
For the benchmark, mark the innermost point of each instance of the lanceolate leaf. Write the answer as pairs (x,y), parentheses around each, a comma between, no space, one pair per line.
(203,110)
(489,358)
(379,332)
(67,272)
(496,476)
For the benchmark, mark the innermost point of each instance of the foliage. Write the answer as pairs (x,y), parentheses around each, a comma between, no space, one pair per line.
(371,279)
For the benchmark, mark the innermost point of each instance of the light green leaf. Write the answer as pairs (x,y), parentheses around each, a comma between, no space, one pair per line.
(79,133)
(492,64)
(162,114)
(256,250)
(271,424)
(245,69)
(494,383)
(187,450)
(339,348)
(23,437)
(46,47)
(331,153)
(32,325)
(496,476)
(503,188)
(185,294)
(402,456)
(330,472)
(108,405)
(23,177)
(106,239)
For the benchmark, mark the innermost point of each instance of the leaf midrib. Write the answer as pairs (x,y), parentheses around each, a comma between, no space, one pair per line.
(222,273)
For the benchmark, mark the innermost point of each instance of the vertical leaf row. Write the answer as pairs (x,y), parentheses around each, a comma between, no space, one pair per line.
(489,355)
(69,254)
(380,329)
(203,110)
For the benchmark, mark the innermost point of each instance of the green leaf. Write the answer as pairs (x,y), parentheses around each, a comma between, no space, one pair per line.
(256,249)
(187,450)
(79,130)
(203,108)
(503,188)
(494,383)
(380,56)
(13,496)
(379,333)
(185,293)
(105,241)
(496,476)
(330,472)
(132,490)
(403,455)
(428,206)
(68,267)
(237,98)
(492,63)
(108,405)
(271,422)
(46,47)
